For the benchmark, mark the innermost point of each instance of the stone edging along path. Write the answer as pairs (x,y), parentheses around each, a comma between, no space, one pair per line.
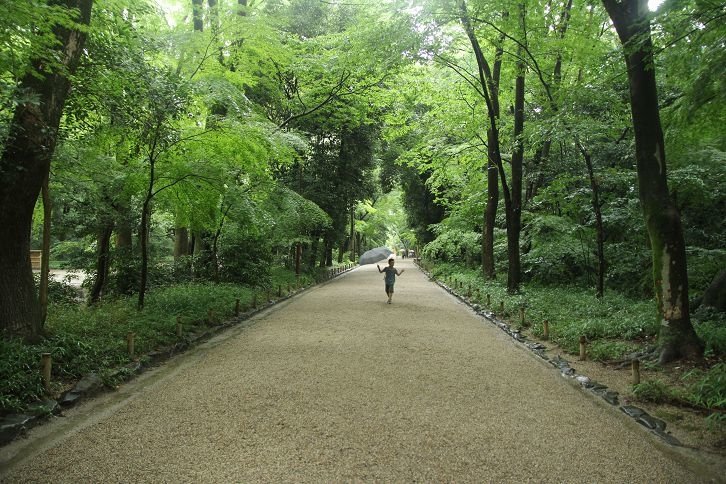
(13,426)
(654,425)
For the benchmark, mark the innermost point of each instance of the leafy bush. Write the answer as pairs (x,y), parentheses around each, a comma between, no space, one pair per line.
(629,269)
(556,251)
(454,245)
(245,259)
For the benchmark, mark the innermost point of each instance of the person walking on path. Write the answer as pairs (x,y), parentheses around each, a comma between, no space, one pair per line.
(390,276)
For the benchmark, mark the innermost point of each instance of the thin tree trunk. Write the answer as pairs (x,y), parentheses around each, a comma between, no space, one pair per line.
(298,253)
(514,211)
(313,255)
(600,233)
(489,82)
(102,263)
(677,338)
(45,254)
(144,245)
(352,234)
(490,215)
(24,164)
(144,231)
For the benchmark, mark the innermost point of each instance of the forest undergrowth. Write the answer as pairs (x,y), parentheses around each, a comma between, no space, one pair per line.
(617,329)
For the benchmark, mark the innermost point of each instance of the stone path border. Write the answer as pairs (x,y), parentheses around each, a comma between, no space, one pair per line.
(653,424)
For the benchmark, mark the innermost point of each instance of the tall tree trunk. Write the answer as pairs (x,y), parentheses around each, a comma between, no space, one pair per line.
(144,245)
(24,164)
(600,232)
(341,252)
(144,231)
(514,211)
(181,242)
(677,338)
(490,216)
(313,255)
(102,262)
(45,254)
(489,82)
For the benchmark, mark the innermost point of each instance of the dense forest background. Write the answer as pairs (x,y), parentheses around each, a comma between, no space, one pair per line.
(161,144)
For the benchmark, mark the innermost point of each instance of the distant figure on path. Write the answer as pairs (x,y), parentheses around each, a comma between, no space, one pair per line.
(390,277)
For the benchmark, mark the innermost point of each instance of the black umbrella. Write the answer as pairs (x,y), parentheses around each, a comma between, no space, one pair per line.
(374,255)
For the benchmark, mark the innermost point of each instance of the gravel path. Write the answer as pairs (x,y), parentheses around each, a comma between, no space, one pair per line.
(335,385)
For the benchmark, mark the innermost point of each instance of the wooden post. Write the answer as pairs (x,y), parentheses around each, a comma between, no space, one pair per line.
(521,316)
(489,300)
(636,371)
(236,308)
(45,367)
(545,329)
(501,307)
(130,337)
(583,348)
(279,290)
(254,300)
(178,327)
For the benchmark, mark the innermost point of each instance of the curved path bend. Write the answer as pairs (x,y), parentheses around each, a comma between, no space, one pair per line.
(335,385)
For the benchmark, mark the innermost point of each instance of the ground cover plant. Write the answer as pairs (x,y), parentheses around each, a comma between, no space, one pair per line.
(92,339)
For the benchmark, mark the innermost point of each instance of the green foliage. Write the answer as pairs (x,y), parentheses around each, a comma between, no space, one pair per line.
(245,258)
(560,251)
(710,326)
(455,246)
(606,350)
(59,292)
(84,339)
(707,389)
(655,391)
(20,379)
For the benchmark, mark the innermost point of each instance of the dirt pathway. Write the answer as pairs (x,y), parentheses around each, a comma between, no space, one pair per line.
(335,385)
